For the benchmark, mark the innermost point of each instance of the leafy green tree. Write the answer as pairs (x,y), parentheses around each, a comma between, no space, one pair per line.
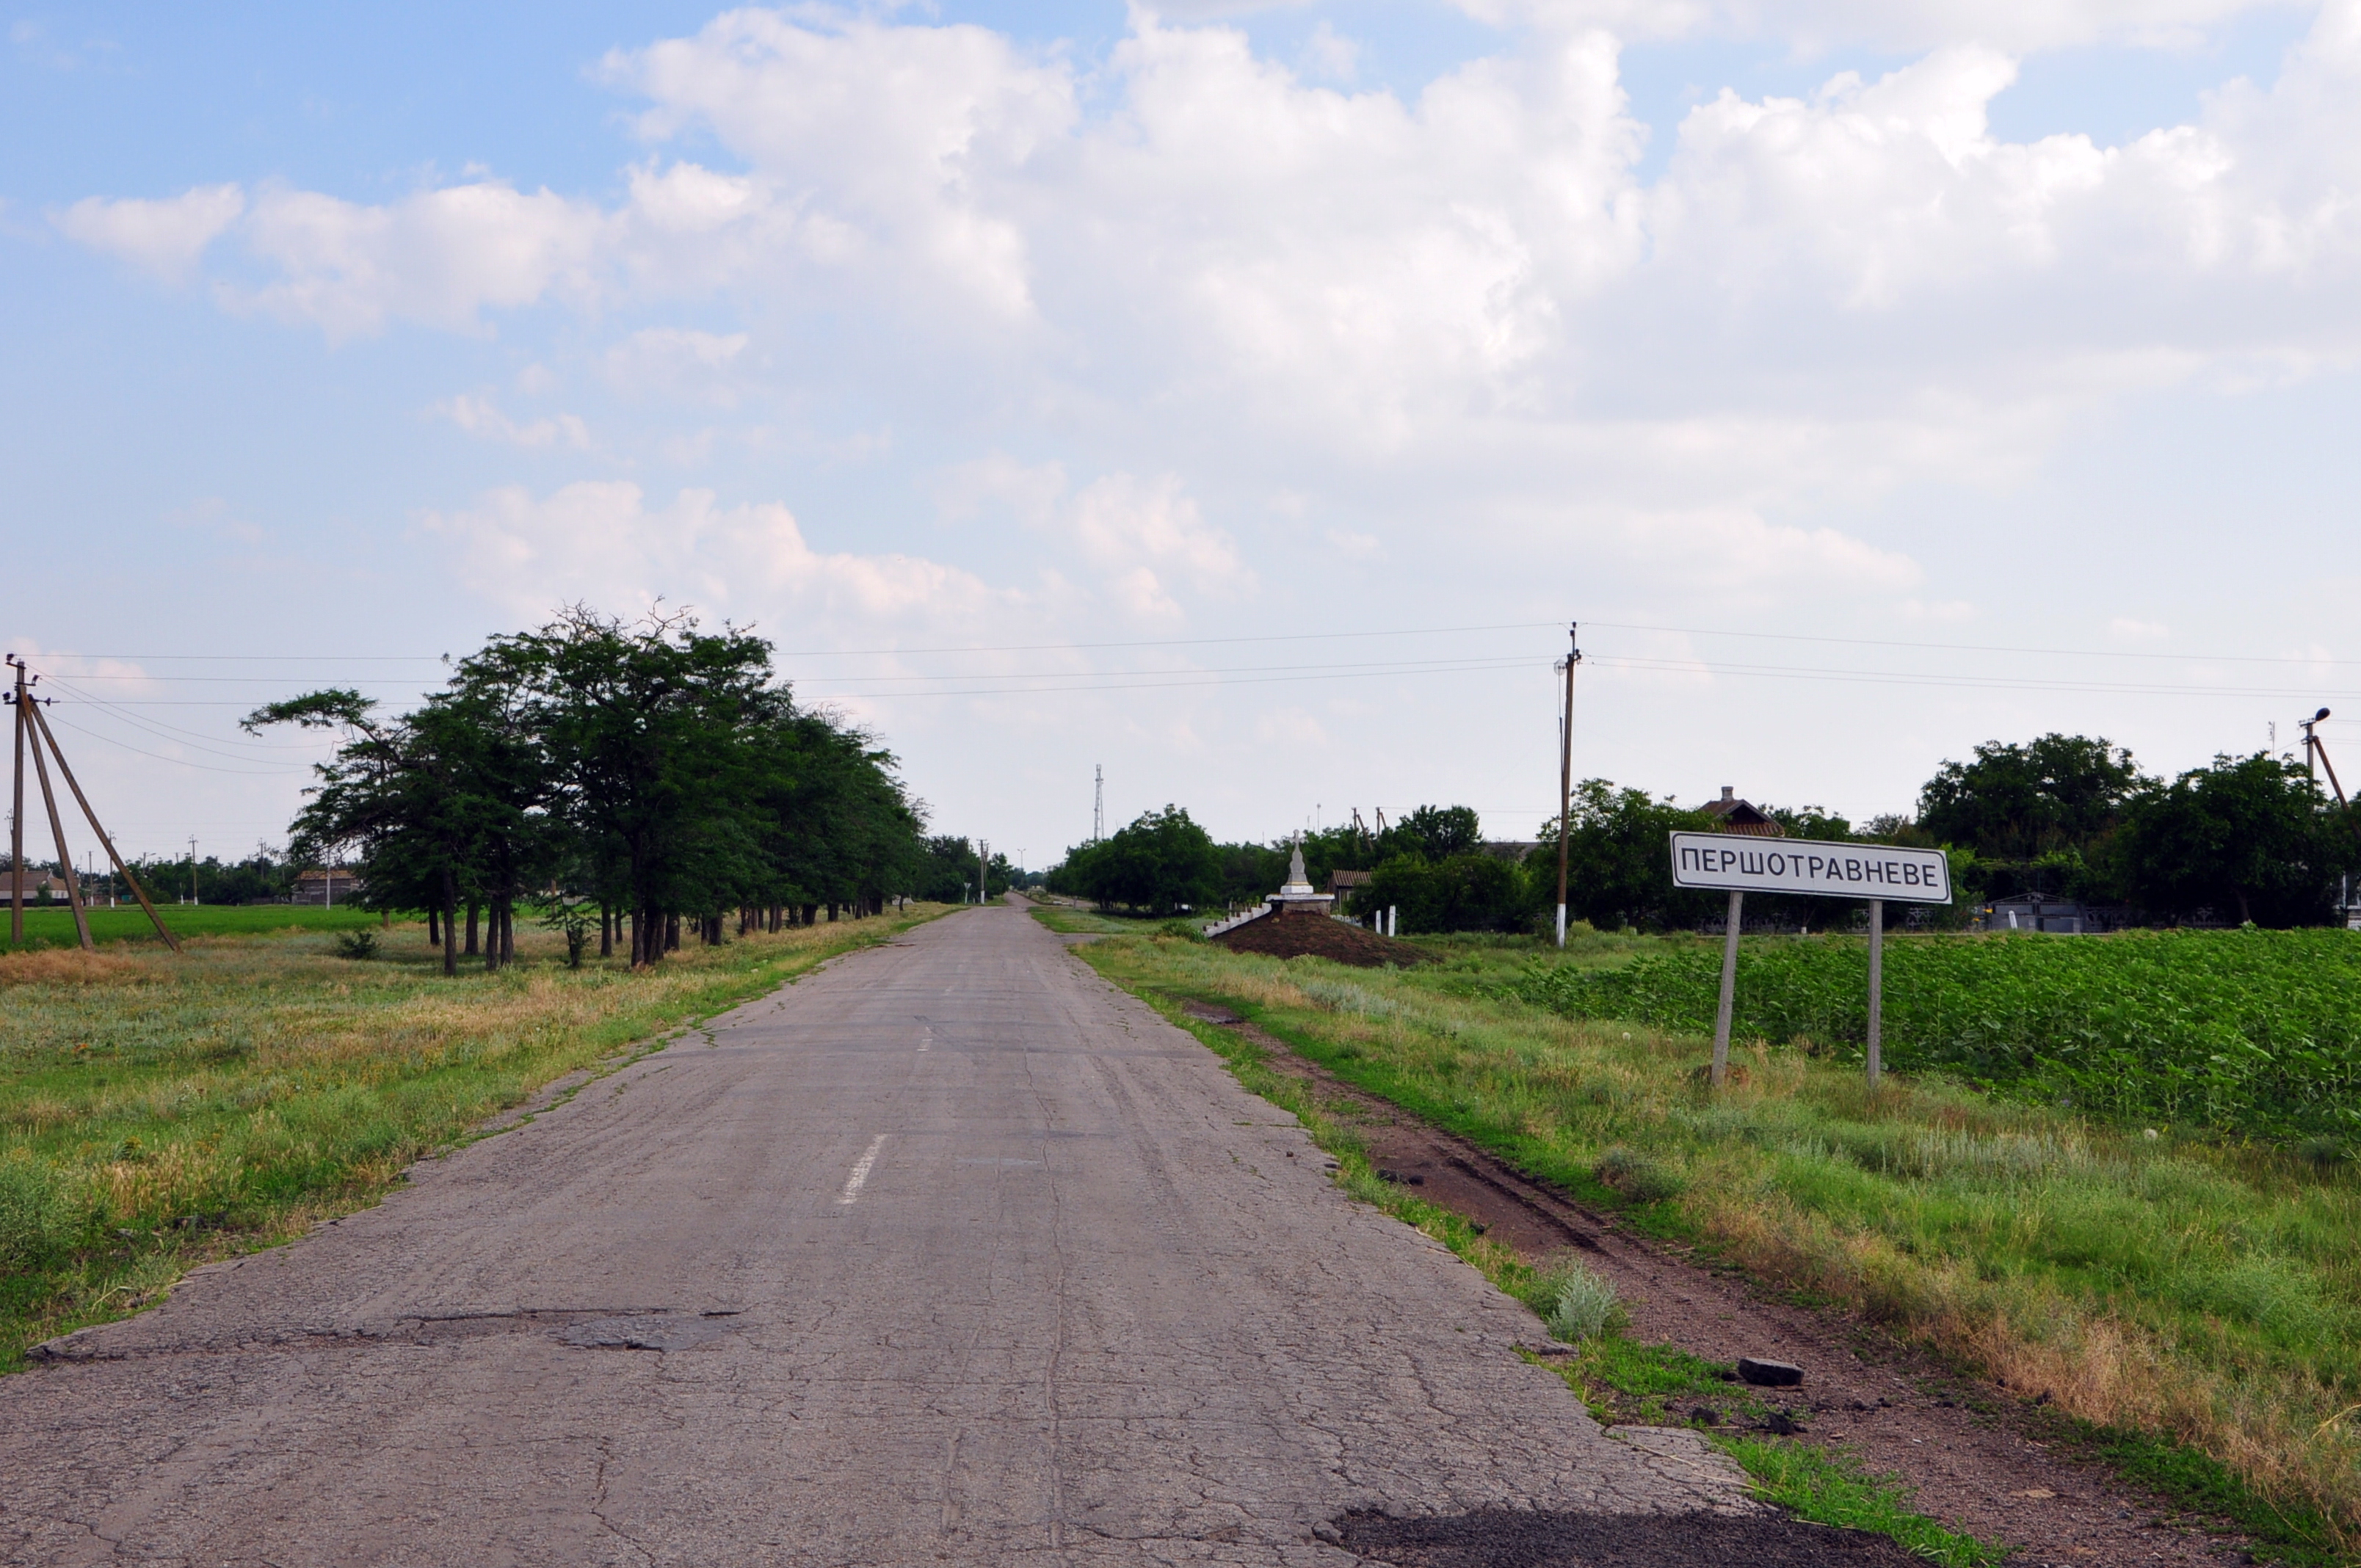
(654,768)
(1460,893)
(2016,804)
(1618,860)
(2248,834)
(1432,833)
(1160,863)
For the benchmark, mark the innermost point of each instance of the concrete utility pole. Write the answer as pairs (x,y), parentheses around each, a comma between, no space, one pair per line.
(1566,769)
(192,869)
(1098,802)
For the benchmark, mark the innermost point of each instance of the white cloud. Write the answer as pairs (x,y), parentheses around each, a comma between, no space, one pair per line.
(1215,269)
(442,257)
(601,542)
(1903,25)
(1330,54)
(480,416)
(699,366)
(165,237)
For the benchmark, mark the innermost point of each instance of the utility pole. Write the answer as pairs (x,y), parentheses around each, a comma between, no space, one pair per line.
(982,869)
(17,818)
(192,869)
(43,734)
(1098,802)
(1565,768)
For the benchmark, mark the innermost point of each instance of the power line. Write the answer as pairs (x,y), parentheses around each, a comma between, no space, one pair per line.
(1980,647)
(180,762)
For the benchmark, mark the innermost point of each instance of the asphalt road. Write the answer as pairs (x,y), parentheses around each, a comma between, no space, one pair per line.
(949,1253)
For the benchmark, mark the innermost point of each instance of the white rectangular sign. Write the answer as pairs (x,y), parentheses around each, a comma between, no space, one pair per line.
(1806,865)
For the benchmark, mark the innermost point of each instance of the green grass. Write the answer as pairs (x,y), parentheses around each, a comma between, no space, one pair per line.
(1829,1487)
(2244,1031)
(54,927)
(157,1110)
(1070,921)
(2202,1293)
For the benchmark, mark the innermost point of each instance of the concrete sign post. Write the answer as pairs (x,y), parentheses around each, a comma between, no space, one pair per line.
(1816,870)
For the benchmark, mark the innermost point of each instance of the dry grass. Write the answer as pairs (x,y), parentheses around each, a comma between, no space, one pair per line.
(66,966)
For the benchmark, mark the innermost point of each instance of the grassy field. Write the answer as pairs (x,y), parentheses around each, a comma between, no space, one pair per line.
(2200,1296)
(158,1111)
(54,927)
(2243,1031)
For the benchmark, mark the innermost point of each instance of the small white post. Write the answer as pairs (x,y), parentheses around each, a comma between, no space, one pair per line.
(1876,985)
(1729,990)
(1393,919)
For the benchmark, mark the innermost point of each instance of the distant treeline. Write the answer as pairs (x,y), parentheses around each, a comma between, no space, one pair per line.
(2242,840)
(637,776)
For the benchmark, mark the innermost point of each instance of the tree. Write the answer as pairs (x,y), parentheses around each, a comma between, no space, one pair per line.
(2019,803)
(1619,862)
(2248,833)
(656,768)
(1160,863)
(1460,893)
(1432,833)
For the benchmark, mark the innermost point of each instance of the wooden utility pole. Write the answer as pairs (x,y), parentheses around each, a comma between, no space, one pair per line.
(1566,769)
(122,868)
(16,817)
(58,831)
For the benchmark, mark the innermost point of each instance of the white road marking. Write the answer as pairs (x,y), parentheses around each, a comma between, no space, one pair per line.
(851,1192)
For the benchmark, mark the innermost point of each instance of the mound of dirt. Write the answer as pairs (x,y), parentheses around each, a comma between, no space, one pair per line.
(1320,937)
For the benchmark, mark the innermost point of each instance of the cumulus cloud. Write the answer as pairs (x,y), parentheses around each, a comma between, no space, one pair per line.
(1197,261)
(602,541)
(165,237)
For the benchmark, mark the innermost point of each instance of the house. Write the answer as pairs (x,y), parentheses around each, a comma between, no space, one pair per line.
(1341,884)
(328,885)
(49,886)
(1732,815)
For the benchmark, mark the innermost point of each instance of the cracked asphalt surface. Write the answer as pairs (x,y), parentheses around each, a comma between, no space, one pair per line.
(948,1253)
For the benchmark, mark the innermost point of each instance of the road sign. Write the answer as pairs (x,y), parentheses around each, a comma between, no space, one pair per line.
(1738,864)
(1741,864)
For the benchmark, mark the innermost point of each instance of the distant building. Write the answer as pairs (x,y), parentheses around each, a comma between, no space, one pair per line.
(49,885)
(2047,912)
(1732,815)
(327,885)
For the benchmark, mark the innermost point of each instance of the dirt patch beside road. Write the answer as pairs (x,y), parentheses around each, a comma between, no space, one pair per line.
(1320,936)
(1978,1458)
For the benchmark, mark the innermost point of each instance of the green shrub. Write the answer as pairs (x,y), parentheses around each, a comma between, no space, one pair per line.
(1582,1305)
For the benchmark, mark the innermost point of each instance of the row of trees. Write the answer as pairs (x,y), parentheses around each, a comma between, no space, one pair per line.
(2242,838)
(1430,865)
(2246,838)
(650,772)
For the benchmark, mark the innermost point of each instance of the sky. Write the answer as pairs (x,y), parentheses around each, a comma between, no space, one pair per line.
(1240,399)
